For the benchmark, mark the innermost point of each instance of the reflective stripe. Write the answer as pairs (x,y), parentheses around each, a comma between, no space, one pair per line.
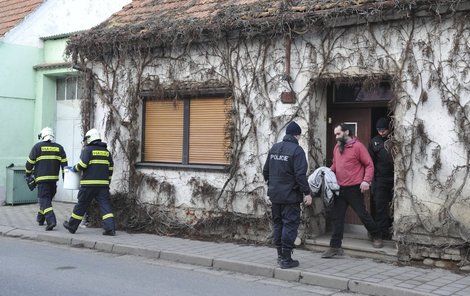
(63,160)
(28,171)
(99,161)
(111,168)
(53,157)
(31,161)
(110,215)
(94,182)
(77,217)
(42,178)
(47,210)
(41,212)
(100,153)
(110,177)
(50,148)
(80,162)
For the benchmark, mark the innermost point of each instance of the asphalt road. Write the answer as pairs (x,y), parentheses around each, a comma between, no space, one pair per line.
(34,268)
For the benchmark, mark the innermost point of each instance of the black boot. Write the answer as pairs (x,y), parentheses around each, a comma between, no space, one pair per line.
(279,255)
(51,226)
(68,227)
(40,219)
(287,261)
(110,232)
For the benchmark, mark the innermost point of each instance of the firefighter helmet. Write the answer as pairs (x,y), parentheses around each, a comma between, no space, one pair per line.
(47,134)
(91,135)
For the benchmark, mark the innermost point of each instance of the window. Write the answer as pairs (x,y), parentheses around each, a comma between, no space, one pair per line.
(189,131)
(69,88)
(358,92)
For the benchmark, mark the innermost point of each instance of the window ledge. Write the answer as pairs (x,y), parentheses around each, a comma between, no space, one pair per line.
(188,167)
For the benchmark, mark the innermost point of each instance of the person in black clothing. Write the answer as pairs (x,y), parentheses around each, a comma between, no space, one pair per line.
(42,168)
(285,172)
(382,186)
(96,165)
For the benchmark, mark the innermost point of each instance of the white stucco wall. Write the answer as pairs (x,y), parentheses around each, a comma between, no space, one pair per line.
(55,17)
(354,52)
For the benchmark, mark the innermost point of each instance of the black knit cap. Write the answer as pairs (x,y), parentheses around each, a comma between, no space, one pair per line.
(293,129)
(383,123)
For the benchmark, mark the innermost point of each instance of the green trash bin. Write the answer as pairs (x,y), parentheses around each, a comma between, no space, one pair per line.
(17,191)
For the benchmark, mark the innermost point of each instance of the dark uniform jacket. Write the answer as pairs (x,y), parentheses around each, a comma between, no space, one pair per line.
(45,159)
(285,171)
(383,161)
(96,163)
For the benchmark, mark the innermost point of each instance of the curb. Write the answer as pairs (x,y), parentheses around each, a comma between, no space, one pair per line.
(291,275)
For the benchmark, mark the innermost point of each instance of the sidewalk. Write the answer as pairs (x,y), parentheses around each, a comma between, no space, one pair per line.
(346,273)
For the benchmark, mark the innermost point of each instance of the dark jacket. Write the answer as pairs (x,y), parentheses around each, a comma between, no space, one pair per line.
(45,159)
(383,161)
(285,171)
(96,163)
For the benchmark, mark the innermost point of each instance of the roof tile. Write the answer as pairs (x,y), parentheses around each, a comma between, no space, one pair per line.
(12,12)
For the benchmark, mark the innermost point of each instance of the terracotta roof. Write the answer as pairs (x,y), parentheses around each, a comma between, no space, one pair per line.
(12,12)
(164,22)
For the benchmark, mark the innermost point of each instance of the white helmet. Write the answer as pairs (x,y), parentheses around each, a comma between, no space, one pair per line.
(47,134)
(91,135)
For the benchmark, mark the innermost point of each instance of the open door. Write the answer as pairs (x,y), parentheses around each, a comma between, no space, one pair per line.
(360,108)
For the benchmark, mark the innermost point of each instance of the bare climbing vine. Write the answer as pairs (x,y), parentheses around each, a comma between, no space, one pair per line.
(423,47)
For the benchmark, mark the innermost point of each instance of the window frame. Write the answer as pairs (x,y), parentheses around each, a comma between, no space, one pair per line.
(331,93)
(186,97)
(66,80)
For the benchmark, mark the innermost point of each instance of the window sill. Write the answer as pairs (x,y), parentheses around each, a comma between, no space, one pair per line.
(188,167)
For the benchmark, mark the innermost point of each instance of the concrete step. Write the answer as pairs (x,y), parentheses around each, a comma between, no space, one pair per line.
(356,247)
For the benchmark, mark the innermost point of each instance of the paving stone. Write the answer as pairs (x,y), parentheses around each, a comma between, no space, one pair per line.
(104,246)
(186,258)
(244,267)
(55,239)
(292,275)
(136,251)
(83,243)
(324,280)
(378,289)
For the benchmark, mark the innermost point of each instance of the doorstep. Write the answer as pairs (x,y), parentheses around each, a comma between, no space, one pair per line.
(356,244)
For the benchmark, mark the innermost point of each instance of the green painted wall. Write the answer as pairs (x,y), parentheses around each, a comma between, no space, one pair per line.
(46,83)
(17,104)
(54,50)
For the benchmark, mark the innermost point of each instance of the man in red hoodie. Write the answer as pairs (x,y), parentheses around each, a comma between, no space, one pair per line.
(354,171)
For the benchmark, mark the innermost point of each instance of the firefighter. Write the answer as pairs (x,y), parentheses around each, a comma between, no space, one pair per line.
(42,168)
(96,165)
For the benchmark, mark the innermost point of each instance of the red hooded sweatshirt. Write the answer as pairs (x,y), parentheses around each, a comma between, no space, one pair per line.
(354,165)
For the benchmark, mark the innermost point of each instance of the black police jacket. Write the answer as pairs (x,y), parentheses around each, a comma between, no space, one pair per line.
(285,171)
(383,161)
(44,161)
(96,164)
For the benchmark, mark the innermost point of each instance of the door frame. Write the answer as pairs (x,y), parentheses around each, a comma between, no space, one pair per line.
(332,105)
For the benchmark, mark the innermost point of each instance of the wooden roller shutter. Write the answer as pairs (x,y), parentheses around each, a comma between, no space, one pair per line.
(208,141)
(163,131)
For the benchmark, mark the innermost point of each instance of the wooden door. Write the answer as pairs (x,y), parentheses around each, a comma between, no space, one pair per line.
(360,119)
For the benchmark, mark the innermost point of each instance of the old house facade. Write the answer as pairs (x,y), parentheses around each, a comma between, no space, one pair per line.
(191,95)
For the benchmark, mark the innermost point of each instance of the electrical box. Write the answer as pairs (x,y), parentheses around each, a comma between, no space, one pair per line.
(17,191)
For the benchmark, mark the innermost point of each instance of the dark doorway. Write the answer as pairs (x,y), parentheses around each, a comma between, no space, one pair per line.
(360,107)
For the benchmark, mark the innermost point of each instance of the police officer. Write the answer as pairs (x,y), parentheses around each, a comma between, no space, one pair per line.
(383,176)
(285,171)
(42,168)
(96,165)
